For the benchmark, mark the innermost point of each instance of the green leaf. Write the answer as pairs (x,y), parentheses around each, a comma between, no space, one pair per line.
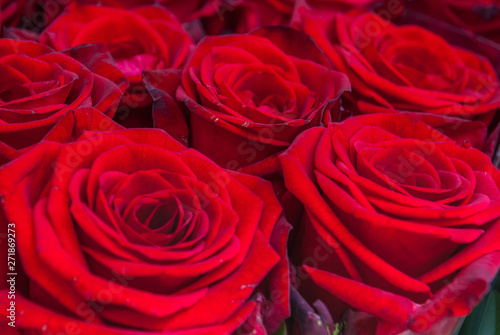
(338,328)
(484,319)
(282,329)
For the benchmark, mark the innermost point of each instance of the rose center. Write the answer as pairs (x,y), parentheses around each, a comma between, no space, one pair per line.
(265,91)
(155,214)
(131,57)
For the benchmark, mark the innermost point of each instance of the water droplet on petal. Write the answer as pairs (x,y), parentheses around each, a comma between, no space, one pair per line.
(466,144)
(184,140)
(242,287)
(44,328)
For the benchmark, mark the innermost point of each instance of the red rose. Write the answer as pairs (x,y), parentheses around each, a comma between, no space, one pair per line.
(233,16)
(129,229)
(241,16)
(479,16)
(40,86)
(8,10)
(400,222)
(143,38)
(326,7)
(30,15)
(12,11)
(250,95)
(185,11)
(393,68)
(214,17)
(339,5)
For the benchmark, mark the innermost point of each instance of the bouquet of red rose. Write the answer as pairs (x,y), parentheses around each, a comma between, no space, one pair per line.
(288,167)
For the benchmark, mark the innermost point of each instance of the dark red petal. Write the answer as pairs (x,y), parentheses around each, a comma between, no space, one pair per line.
(385,305)
(167,113)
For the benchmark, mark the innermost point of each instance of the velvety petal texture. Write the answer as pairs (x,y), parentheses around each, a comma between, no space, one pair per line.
(129,229)
(250,95)
(143,38)
(9,12)
(40,85)
(398,219)
(479,16)
(327,8)
(185,11)
(29,15)
(392,68)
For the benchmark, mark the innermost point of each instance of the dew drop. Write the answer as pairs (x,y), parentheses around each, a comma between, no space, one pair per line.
(184,139)
(466,144)
(44,328)
(242,287)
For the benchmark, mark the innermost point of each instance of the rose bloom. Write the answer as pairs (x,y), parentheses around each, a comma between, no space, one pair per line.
(400,224)
(242,16)
(143,38)
(40,85)
(185,11)
(31,15)
(212,17)
(215,17)
(479,16)
(326,7)
(21,13)
(130,232)
(338,5)
(250,95)
(9,12)
(392,68)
